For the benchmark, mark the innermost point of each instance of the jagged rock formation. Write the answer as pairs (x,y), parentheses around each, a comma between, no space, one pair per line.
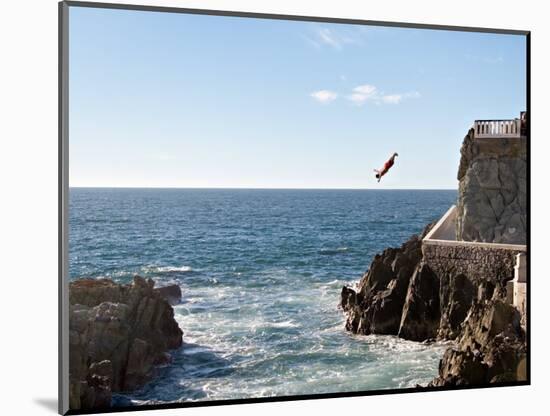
(402,295)
(491,348)
(492,196)
(171,293)
(466,275)
(421,312)
(377,305)
(118,333)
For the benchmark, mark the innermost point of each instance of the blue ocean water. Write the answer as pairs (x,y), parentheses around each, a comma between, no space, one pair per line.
(261,273)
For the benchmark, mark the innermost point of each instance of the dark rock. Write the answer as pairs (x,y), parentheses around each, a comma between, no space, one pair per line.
(139,364)
(117,334)
(171,293)
(421,312)
(377,305)
(458,368)
(99,379)
(491,348)
(458,294)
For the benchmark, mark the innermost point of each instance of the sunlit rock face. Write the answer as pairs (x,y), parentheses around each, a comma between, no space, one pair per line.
(118,334)
(492,191)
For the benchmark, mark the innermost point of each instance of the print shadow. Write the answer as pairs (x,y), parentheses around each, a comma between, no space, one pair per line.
(48,404)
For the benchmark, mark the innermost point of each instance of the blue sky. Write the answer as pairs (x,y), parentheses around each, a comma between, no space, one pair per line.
(175,100)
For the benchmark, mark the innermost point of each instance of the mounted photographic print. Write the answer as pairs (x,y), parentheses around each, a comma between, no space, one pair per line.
(264,207)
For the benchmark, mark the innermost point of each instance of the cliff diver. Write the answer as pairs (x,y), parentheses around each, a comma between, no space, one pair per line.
(389,163)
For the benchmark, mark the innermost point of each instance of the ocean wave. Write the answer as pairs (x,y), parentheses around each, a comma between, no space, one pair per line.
(167,269)
(285,324)
(335,282)
(332,251)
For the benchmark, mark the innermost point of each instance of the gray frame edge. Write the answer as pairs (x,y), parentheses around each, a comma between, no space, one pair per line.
(274,16)
(63,195)
(63,208)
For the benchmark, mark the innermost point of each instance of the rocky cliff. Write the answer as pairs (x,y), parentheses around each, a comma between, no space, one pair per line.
(492,191)
(401,294)
(491,348)
(453,291)
(377,305)
(118,333)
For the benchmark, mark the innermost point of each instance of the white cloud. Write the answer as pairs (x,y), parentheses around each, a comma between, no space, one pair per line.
(392,98)
(363,93)
(327,36)
(324,96)
(335,39)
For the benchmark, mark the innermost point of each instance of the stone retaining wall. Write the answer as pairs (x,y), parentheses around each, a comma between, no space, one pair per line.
(468,273)
(490,262)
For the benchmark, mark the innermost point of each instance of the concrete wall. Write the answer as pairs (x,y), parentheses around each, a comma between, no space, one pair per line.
(517,288)
(445,228)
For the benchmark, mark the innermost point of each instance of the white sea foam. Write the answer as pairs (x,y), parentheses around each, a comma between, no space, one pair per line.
(333,250)
(285,324)
(166,269)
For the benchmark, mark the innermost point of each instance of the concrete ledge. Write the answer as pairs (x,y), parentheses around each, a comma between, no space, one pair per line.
(444,234)
(445,228)
(476,244)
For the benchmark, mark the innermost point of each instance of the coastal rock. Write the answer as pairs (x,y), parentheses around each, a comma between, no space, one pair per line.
(421,312)
(457,296)
(98,385)
(491,348)
(117,334)
(377,305)
(172,293)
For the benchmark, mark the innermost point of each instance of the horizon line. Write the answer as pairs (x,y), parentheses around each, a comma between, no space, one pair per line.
(262,188)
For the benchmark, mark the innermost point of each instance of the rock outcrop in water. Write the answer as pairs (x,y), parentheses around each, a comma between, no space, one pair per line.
(421,312)
(420,305)
(492,190)
(377,305)
(118,333)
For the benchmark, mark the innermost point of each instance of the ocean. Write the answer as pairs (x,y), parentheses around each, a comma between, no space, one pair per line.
(261,273)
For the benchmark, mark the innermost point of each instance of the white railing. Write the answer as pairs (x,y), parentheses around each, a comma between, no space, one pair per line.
(497,128)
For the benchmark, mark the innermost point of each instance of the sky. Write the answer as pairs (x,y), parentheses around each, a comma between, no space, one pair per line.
(175,100)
